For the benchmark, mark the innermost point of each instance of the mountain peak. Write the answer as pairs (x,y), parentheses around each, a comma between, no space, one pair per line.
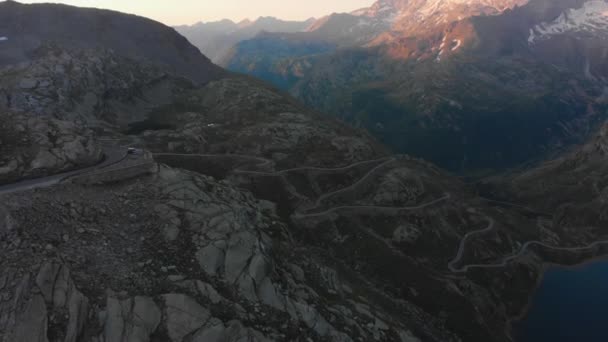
(392,20)
(434,10)
(244,23)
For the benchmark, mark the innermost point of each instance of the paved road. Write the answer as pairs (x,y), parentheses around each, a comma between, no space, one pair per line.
(463,242)
(506,260)
(524,249)
(354,185)
(392,210)
(111,157)
(263,162)
(116,155)
(515,205)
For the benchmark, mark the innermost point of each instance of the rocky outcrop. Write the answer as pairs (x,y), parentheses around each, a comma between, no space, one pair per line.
(213,246)
(31,304)
(33,147)
(93,87)
(61,295)
(131,319)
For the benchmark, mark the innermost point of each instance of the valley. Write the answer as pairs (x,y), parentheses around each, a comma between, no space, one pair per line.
(405,172)
(470,86)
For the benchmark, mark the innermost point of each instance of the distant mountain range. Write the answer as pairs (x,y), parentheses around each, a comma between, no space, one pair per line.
(215,39)
(469,84)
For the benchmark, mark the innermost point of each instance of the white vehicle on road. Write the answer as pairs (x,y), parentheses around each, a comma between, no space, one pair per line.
(134,151)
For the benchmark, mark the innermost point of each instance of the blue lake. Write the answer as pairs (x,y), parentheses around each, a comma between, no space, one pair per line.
(571,304)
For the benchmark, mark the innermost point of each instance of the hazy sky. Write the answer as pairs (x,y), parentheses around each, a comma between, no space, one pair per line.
(174,12)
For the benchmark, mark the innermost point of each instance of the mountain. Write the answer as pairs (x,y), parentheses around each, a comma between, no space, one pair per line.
(590,19)
(571,185)
(139,203)
(391,19)
(27,28)
(470,85)
(215,39)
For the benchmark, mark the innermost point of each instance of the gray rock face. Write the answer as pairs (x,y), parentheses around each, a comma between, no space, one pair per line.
(133,319)
(60,293)
(233,332)
(211,259)
(92,87)
(33,147)
(184,316)
(231,245)
(209,292)
(26,316)
(32,326)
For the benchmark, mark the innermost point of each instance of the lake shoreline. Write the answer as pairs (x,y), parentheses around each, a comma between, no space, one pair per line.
(546,265)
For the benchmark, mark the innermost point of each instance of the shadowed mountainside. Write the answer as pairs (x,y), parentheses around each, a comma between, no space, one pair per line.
(496,86)
(215,39)
(27,27)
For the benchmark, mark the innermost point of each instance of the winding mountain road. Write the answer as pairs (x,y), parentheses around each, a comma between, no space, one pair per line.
(112,156)
(506,260)
(262,162)
(463,242)
(356,184)
(389,210)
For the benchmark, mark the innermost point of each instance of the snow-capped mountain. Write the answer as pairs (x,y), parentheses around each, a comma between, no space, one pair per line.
(387,20)
(591,18)
(443,69)
(407,15)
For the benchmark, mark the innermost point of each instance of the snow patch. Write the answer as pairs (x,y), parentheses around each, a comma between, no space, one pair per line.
(458,44)
(592,17)
(438,59)
(442,43)
(363,23)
